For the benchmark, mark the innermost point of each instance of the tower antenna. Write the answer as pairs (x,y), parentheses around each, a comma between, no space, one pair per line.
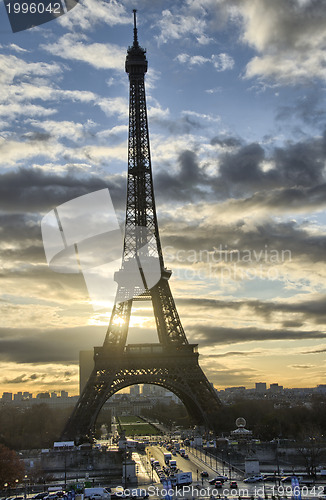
(135,29)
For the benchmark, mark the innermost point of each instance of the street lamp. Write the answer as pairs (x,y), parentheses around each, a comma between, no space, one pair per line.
(125,465)
(230,468)
(16,484)
(25,490)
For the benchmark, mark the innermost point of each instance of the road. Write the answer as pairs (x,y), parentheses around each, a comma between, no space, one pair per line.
(201,487)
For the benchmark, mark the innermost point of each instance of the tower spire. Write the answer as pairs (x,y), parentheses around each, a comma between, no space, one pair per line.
(135,30)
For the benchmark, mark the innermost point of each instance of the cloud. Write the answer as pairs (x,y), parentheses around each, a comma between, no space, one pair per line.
(25,82)
(36,191)
(47,346)
(313,309)
(175,26)
(221,62)
(308,108)
(90,13)
(294,179)
(98,55)
(38,377)
(21,379)
(208,335)
(226,377)
(12,110)
(14,67)
(315,351)
(17,48)
(302,367)
(232,354)
(289,37)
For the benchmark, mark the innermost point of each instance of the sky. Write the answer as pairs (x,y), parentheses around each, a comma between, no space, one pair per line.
(236,106)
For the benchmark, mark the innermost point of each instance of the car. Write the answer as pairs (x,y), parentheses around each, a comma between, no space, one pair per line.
(218,484)
(253,479)
(136,493)
(286,479)
(233,484)
(185,455)
(204,473)
(218,478)
(271,477)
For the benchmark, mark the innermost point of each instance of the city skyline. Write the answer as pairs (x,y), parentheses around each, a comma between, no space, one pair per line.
(236,100)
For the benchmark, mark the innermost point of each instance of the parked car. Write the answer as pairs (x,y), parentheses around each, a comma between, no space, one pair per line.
(204,473)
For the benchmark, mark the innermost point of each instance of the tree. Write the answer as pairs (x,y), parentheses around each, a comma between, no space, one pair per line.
(11,467)
(312,450)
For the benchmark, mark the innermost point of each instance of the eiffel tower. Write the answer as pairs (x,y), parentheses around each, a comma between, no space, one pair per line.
(171,363)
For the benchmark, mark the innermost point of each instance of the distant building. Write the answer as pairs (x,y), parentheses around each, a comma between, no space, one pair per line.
(64,394)
(135,390)
(86,365)
(235,389)
(261,387)
(18,396)
(147,390)
(6,396)
(276,388)
(43,395)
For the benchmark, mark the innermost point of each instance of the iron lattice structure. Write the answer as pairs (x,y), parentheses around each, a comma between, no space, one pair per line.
(171,363)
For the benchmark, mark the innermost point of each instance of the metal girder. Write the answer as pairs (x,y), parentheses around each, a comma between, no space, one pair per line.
(178,372)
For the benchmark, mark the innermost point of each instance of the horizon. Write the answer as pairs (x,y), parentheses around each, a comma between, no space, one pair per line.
(126,390)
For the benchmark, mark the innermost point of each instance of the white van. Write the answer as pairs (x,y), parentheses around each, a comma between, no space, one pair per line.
(97,493)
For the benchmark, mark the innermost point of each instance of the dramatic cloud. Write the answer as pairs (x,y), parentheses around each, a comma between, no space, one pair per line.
(34,190)
(286,178)
(312,310)
(45,346)
(289,37)
(209,335)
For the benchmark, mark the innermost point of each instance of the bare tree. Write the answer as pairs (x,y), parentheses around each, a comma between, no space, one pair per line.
(311,447)
(11,467)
